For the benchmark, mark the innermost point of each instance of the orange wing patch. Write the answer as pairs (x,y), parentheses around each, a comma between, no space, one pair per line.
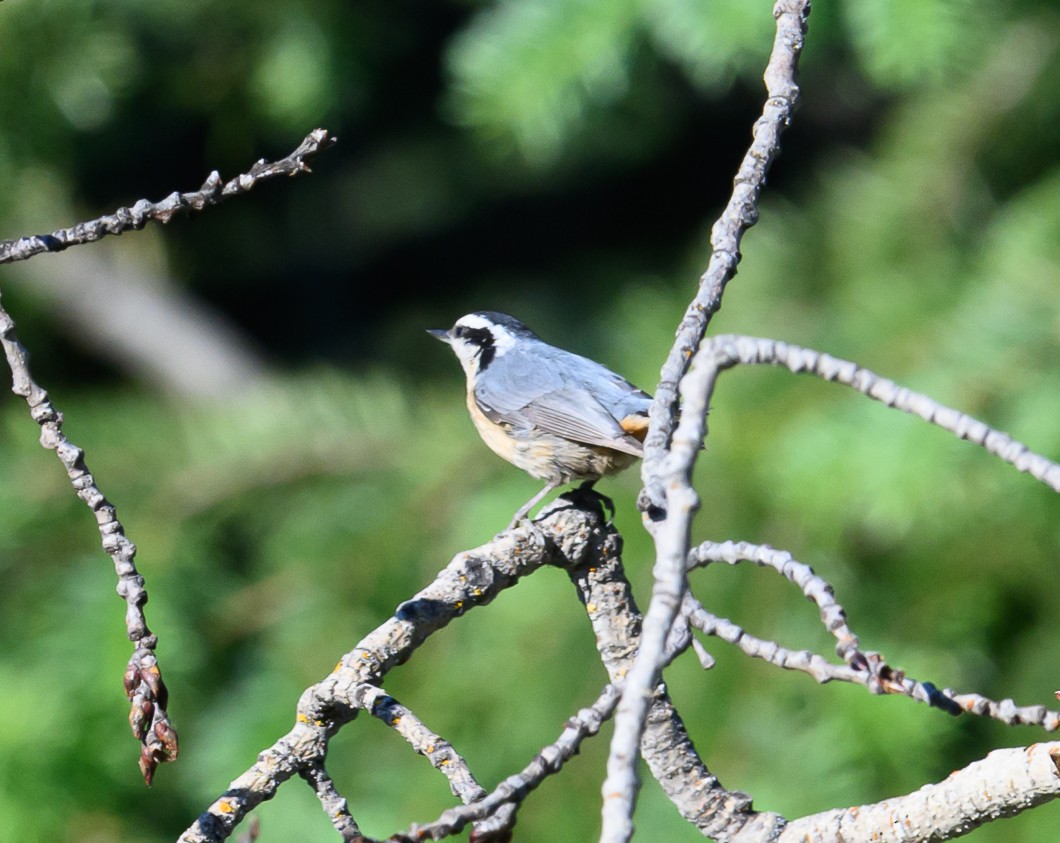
(635,426)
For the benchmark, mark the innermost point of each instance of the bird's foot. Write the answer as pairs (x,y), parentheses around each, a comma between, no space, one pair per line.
(586,492)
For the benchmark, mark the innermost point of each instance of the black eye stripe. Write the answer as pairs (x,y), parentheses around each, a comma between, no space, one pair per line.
(478,336)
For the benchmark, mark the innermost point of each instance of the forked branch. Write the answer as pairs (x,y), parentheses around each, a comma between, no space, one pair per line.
(668,499)
(868,669)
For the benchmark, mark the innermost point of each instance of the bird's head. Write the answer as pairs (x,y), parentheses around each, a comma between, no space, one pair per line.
(480,338)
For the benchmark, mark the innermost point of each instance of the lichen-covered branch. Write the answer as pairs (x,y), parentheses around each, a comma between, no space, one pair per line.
(333,803)
(433,747)
(1005,783)
(562,535)
(720,814)
(148,717)
(212,192)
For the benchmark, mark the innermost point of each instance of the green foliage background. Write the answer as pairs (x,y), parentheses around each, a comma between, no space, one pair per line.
(560,160)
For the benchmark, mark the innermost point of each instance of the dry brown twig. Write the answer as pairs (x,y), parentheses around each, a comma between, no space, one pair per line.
(144,686)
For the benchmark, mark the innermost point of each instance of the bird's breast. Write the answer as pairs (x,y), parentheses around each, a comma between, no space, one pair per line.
(546,456)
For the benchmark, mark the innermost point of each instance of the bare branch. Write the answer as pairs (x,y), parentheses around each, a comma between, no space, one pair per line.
(668,494)
(566,536)
(739,215)
(148,717)
(802,660)
(496,828)
(212,192)
(144,687)
(1005,783)
(728,350)
(870,671)
(814,587)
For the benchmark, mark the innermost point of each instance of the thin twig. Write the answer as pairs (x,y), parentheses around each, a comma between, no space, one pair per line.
(867,669)
(212,192)
(144,687)
(739,215)
(515,788)
(728,350)
(333,803)
(143,682)
(870,671)
(805,661)
(813,586)
(668,496)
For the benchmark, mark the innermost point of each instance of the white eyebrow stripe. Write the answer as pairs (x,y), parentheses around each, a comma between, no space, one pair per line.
(502,337)
(473,320)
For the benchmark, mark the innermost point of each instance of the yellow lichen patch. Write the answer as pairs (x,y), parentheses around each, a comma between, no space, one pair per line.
(301,718)
(590,607)
(225,807)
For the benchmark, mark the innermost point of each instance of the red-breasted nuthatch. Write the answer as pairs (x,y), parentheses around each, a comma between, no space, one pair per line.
(558,416)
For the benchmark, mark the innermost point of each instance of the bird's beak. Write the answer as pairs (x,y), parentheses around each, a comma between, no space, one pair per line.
(440,334)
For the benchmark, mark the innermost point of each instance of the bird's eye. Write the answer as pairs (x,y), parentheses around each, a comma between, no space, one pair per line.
(459,331)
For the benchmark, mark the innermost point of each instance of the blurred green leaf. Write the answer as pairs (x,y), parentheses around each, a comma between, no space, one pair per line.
(911,42)
(712,41)
(526,72)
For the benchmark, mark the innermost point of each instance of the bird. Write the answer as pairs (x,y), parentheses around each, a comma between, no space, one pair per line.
(557,415)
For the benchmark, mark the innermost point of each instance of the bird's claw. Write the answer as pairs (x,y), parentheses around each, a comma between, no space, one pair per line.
(606,504)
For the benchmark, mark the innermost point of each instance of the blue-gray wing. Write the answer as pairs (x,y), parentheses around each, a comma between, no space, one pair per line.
(563,394)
